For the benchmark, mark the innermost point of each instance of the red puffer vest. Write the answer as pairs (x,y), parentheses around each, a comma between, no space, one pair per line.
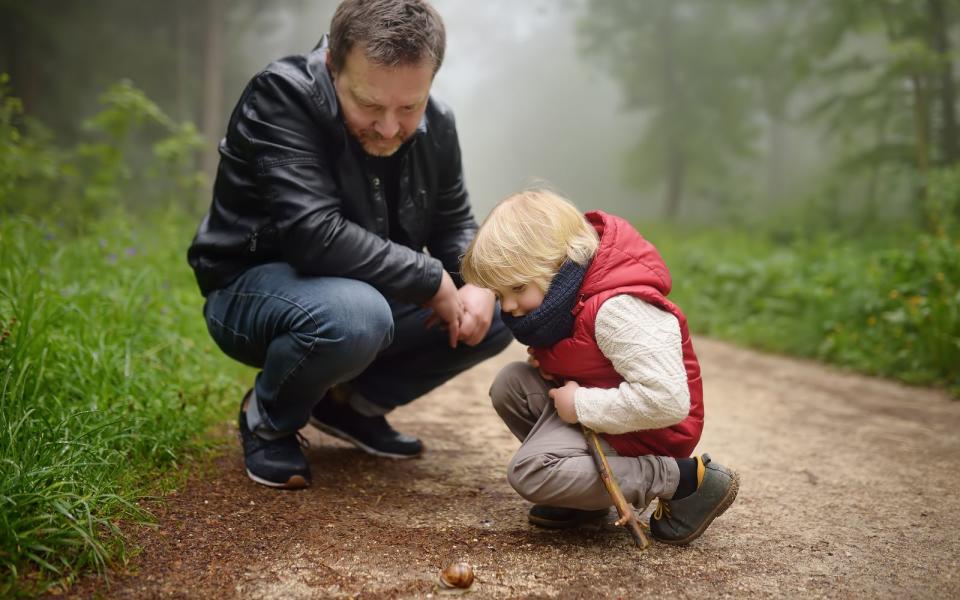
(625,263)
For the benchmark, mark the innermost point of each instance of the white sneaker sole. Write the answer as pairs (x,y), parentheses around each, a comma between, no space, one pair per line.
(294,483)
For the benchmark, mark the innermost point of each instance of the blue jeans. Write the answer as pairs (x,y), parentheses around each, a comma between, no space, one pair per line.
(307,334)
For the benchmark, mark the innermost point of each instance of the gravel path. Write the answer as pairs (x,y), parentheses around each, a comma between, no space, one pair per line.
(848,490)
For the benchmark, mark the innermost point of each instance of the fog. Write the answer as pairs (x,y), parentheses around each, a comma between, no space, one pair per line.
(720,94)
(530,110)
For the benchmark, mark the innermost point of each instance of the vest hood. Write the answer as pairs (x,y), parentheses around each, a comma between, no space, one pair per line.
(624,258)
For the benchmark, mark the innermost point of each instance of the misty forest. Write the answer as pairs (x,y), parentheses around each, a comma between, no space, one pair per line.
(796,163)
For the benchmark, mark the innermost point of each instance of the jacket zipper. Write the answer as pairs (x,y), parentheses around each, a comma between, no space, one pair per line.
(253,241)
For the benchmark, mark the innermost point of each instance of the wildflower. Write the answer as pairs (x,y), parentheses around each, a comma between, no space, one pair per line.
(894,294)
(871,321)
(130,251)
(111,258)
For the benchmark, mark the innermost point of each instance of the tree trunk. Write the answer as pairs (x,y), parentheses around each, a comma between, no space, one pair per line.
(676,172)
(18,60)
(672,111)
(181,40)
(213,65)
(940,27)
(921,126)
(871,210)
(777,149)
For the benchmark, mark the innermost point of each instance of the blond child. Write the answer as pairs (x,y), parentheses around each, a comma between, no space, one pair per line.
(587,295)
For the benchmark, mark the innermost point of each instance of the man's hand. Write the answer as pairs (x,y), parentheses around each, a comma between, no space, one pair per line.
(447,308)
(563,400)
(478,306)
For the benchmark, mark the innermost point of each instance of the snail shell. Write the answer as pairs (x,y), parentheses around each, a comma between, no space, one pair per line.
(457,575)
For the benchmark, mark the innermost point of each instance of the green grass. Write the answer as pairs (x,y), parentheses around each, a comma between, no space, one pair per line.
(887,305)
(108,378)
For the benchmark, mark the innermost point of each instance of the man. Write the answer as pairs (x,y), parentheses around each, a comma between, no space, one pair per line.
(336,171)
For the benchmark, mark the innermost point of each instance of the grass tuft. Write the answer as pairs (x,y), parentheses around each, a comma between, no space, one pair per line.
(108,377)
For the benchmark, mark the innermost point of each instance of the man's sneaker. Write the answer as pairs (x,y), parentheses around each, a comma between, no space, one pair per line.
(556,517)
(277,463)
(371,434)
(682,521)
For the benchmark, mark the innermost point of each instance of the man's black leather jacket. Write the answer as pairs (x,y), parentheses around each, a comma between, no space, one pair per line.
(291,187)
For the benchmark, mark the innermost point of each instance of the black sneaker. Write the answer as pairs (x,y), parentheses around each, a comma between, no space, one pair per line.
(276,463)
(681,521)
(373,435)
(556,517)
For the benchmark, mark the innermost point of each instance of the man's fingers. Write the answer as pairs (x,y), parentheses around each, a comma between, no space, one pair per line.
(454,331)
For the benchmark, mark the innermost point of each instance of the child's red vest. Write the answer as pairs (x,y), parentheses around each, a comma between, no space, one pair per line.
(625,263)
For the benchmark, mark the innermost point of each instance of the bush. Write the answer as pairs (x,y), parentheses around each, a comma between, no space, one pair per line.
(886,305)
(105,172)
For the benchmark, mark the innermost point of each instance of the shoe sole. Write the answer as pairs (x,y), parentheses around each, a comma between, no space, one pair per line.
(295,482)
(728,499)
(349,438)
(548,524)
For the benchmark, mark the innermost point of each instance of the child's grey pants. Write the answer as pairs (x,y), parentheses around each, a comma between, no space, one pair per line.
(553,465)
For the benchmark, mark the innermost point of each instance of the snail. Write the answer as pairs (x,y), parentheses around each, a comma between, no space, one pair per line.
(457,575)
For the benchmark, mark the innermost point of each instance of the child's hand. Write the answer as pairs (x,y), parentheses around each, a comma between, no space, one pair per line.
(532,361)
(563,399)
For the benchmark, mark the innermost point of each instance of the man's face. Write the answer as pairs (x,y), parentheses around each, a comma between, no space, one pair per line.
(382,106)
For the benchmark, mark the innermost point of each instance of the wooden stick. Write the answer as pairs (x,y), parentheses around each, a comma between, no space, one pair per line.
(628,516)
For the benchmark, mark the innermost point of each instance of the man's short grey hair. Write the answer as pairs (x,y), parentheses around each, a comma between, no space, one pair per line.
(390,32)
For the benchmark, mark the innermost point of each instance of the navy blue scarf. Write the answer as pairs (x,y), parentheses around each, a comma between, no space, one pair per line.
(552,320)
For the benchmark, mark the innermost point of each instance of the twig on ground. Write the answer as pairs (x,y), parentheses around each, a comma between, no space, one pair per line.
(628,517)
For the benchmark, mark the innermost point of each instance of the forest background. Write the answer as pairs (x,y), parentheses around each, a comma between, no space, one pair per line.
(796,163)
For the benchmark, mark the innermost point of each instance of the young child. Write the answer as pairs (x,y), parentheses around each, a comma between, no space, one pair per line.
(587,294)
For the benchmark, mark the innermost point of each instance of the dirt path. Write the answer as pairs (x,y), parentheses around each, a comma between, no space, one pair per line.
(849,490)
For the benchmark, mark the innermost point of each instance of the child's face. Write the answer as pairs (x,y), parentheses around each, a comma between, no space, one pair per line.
(520,299)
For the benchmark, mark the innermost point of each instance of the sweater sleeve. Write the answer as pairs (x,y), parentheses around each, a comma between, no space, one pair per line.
(643,343)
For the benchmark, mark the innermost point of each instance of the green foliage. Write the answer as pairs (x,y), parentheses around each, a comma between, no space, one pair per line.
(722,83)
(887,305)
(28,163)
(103,172)
(107,375)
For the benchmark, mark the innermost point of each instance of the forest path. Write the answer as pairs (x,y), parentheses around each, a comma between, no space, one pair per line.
(849,489)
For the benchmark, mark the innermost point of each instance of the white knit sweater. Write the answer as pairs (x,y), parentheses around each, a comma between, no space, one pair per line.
(643,343)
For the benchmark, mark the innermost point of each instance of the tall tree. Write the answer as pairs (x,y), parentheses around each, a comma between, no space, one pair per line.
(677,62)
(213,66)
(885,68)
(940,24)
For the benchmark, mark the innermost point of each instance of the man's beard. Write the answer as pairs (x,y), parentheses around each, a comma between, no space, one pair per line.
(375,144)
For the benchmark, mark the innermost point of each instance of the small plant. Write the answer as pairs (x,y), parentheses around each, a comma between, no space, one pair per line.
(105,171)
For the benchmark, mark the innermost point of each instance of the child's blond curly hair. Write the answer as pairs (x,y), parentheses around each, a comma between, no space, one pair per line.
(525,239)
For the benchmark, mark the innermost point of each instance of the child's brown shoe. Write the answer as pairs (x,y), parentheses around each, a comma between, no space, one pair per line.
(682,521)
